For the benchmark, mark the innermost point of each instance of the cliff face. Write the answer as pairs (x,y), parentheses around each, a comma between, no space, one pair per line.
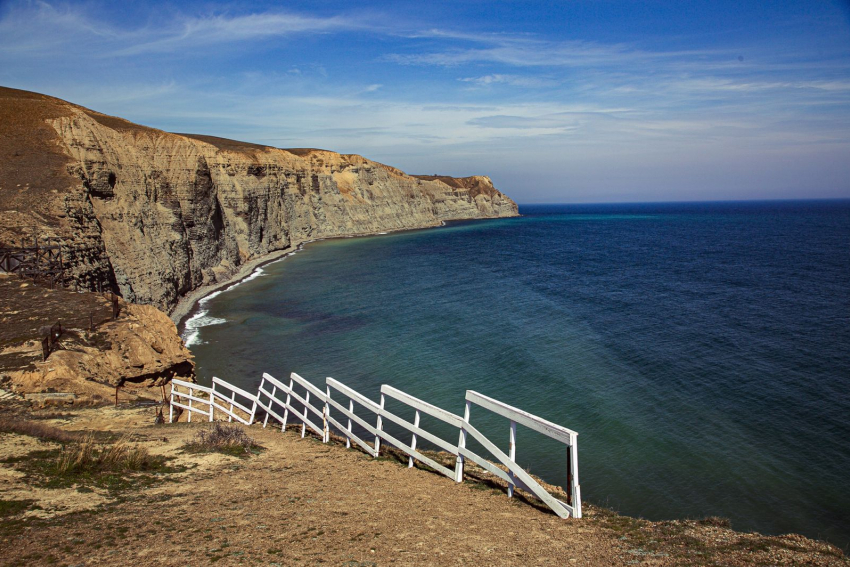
(158,214)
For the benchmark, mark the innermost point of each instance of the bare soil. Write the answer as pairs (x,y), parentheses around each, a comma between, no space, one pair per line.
(304,502)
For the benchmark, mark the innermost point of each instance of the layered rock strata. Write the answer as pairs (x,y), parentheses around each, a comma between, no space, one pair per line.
(155,215)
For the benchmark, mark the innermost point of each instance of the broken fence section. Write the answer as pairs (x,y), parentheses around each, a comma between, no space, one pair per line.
(337,406)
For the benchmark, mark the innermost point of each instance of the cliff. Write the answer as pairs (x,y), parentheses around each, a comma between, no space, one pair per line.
(154,215)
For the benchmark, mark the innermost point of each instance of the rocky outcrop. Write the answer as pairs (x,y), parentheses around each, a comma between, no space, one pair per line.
(155,215)
(138,350)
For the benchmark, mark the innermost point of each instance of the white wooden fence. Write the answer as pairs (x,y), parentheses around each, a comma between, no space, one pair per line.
(319,410)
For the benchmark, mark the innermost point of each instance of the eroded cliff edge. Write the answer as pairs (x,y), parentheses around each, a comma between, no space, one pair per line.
(155,215)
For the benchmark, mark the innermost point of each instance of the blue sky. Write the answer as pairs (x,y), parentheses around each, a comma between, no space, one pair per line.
(585,101)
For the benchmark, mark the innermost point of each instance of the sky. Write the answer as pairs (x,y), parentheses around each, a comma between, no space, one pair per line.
(558,102)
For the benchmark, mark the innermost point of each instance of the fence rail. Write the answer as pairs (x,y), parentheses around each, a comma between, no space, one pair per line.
(305,402)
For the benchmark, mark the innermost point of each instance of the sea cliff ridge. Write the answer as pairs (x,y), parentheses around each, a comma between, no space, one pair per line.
(155,215)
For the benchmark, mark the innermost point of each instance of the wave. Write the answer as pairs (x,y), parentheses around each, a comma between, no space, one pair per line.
(192,327)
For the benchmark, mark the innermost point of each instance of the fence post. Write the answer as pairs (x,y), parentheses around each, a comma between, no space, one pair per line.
(254,409)
(348,438)
(232,399)
(413,440)
(326,412)
(171,406)
(286,407)
(189,417)
(379,425)
(512,455)
(212,407)
(304,425)
(461,444)
(572,474)
(274,391)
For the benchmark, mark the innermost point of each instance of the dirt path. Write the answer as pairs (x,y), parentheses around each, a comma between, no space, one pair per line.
(304,502)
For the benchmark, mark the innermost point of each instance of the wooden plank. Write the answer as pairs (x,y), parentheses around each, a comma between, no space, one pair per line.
(492,469)
(531,421)
(232,414)
(310,387)
(349,435)
(575,487)
(192,385)
(233,388)
(233,402)
(416,403)
(523,476)
(443,444)
(191,410)
(354,417)
(194,398)
(270,411)
(306,403)
(356,396)
(275,381)
(305,420)
(416,454)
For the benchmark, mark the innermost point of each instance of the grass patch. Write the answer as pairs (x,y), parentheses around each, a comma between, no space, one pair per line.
(35,429)
(113,466)
(229,439)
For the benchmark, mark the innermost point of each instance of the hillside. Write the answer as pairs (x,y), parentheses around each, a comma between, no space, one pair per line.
(155,215)
(301,502)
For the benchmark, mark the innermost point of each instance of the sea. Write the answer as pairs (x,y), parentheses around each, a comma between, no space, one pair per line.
(700,350)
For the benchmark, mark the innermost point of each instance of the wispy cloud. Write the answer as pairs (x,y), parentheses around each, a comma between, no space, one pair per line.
(429,98)
(227,29)
(41,27)
(487,81)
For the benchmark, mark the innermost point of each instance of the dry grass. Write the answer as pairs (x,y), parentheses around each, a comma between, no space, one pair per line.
(223,438)
(10,424)
(88,456)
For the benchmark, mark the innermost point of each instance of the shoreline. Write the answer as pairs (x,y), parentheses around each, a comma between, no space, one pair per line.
(187,305)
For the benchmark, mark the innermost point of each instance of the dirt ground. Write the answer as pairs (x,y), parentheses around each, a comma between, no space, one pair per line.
(304,502)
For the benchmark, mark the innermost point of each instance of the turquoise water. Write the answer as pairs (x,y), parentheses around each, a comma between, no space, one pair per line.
(702,351)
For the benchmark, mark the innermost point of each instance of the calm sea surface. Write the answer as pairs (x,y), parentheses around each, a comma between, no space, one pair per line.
(702,351)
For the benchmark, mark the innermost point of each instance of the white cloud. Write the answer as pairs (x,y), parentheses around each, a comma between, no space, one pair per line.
(487,81)
(40,27)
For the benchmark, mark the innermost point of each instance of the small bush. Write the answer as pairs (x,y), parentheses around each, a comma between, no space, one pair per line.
(223,438)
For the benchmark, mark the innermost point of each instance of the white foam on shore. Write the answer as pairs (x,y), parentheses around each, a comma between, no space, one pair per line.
(192,326)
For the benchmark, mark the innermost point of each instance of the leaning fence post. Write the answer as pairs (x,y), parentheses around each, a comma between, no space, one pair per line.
(461,444)
(378,426)
(575,487)
(512,455)
(254,409)
(274,391)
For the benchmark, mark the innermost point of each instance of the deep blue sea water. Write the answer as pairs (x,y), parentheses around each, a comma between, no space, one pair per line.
(702,351)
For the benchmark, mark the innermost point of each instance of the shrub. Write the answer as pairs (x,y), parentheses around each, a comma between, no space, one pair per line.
(223,438)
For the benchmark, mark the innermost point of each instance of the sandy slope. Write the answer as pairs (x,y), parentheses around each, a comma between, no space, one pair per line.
(303,502)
